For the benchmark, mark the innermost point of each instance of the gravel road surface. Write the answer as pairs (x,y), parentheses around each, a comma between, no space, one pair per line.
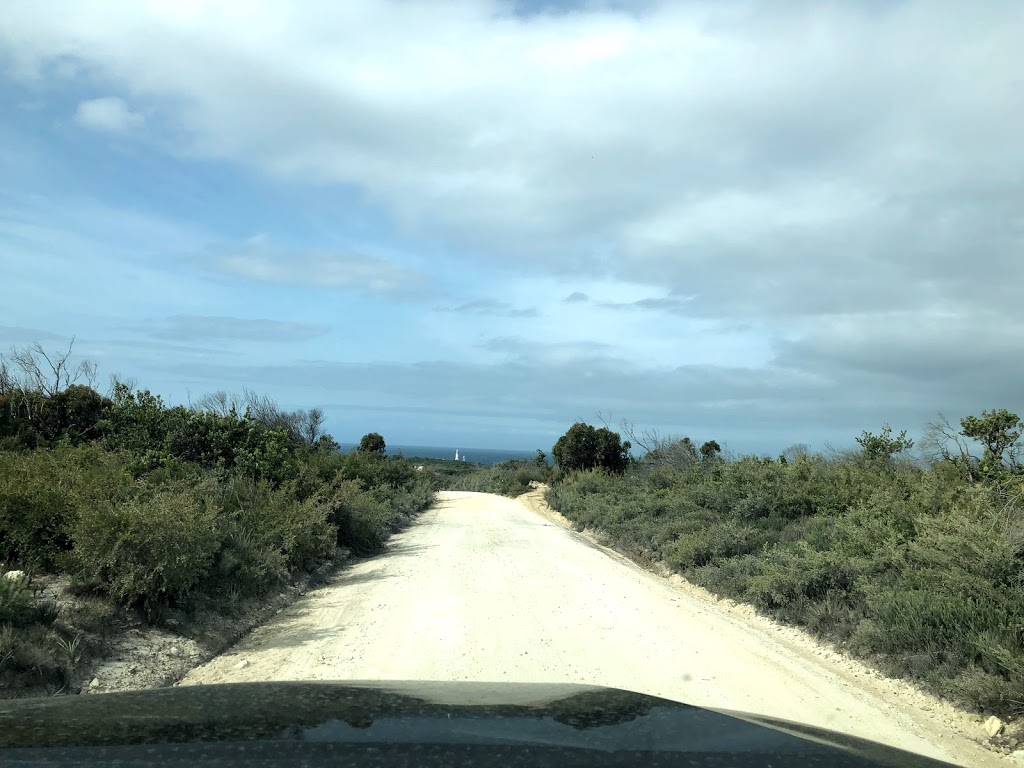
(484,588)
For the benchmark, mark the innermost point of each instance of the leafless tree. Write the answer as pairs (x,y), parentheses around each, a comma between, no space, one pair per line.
(311,425)
(220,403)
(8,381)
(649,439)
(262,409)
(89,372)
(303,427)
(797,451)
(943,442)
(662,450)
(48,373)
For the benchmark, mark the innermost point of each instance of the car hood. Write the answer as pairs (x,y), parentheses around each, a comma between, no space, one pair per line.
(259,723)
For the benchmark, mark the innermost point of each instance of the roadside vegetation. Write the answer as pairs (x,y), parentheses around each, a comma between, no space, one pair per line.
(913,563)
(446,471)
(509,478)
(142,508)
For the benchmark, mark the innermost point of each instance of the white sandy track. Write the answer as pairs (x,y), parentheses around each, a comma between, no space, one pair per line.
(482,588)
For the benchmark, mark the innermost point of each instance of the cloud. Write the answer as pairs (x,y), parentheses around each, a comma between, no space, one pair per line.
(842,179)
(671,304)
(108,115)
(786,163)
(749,408)
(18,336)
(540,353)
(492,307)
(261,261)
(203,327)
(945,360)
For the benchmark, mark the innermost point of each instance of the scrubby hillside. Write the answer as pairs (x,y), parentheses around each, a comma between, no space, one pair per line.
(917,565)
(147,509)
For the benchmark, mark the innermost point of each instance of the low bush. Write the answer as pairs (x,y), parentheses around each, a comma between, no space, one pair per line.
(33,649)
(41,493)
(38,655)
(510,478)
(15,602)
(363,522)
(154,548)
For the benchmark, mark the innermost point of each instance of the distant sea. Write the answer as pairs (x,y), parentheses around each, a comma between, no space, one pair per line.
(487,456)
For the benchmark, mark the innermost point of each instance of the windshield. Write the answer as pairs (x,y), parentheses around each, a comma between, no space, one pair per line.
(664,346)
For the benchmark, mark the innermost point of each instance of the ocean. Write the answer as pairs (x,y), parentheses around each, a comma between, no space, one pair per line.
(486,456)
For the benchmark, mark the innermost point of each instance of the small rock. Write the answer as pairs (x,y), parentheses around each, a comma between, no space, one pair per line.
(993,726)
(16,576)
(174,650)
(242,664)
(95,683)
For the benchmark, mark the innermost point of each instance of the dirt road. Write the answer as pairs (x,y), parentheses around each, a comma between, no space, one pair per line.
(482,588)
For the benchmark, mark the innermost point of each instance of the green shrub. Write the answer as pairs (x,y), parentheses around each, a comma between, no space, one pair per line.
(363,522)
(40,494)
(15,602)
(34,522)
(796,574)
(172,503)
(585,447)
(372,470)
(707,545)
(304,531)
(246,560)
(147,550)
(266,454)
(406,502)
(92,614)
(30,419)
(33,650)
(37,655)
(729,577)
(266,533)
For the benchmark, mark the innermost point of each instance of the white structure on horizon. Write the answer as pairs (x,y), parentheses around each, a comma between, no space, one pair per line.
(456,454)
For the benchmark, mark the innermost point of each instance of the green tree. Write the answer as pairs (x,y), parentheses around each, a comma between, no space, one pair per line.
(999,431)
(612,453)
(373,443)
(577,448)
(710,450)
(883,446)
(327,444)
(584,447)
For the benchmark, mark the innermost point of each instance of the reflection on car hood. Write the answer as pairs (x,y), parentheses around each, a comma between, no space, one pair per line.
(389,723)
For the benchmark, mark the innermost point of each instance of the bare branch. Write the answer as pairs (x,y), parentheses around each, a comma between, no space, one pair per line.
(43,372)
(87,369)
(116,380)
(32,379)
(8,381)
(936,444)
(220,403)
(59,368)
(649,440)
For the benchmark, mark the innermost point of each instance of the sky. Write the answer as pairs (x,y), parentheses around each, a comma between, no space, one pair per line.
(474,222)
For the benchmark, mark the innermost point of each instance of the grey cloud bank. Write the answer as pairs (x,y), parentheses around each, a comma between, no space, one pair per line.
(846,180)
